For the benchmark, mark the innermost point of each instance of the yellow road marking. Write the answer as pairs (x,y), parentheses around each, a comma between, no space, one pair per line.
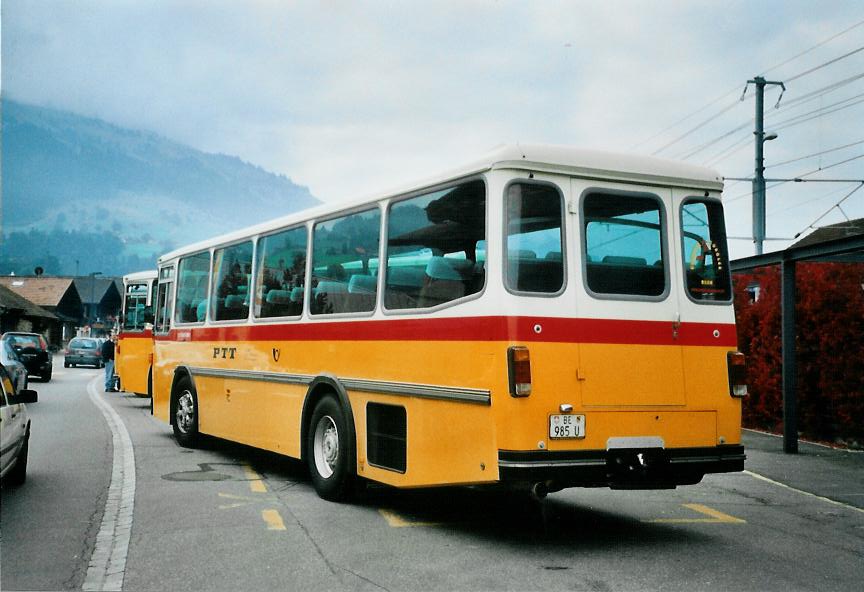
(717,517)
(273,519)
(255,482)
(397,521)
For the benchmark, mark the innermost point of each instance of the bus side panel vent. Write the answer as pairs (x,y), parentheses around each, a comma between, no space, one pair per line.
(386,432)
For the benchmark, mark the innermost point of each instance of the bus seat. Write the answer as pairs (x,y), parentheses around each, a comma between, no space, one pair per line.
(362,284)
(297,294)
(235,301)
(445,280)
(522,254)
(278,297)
(554,256)
(621,260)
(201,310)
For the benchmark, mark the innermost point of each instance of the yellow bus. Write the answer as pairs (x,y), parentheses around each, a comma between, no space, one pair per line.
(134,355)
(543,317)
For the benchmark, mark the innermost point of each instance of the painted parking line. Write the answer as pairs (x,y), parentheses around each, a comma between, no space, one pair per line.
(272,518)
(715,517)
(256,483)
(397,521)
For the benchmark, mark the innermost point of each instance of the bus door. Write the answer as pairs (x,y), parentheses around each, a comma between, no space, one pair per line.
(629,355)
(704,292)
(164,311)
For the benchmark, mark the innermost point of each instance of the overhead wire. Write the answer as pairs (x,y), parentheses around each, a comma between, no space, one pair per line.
(737,86)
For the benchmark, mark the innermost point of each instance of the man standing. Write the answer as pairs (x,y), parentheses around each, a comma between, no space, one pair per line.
(108,358)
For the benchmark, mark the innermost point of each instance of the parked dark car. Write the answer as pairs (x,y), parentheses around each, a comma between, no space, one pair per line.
(32,350)
(9,360)
(83,351)
(15,435)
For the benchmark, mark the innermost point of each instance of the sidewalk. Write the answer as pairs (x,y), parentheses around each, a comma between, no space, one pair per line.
(827,472)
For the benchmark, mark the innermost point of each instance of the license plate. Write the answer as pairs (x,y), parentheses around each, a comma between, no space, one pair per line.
(566,426)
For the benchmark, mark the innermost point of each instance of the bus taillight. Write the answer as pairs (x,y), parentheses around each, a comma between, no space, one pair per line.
(519,366)
(737,365)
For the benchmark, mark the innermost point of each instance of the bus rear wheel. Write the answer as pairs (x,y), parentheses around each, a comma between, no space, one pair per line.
(185,420)
(330,451)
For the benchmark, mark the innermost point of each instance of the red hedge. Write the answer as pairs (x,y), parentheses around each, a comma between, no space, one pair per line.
(829,344)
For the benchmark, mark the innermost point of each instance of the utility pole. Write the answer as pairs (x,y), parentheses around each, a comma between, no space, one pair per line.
(759,178)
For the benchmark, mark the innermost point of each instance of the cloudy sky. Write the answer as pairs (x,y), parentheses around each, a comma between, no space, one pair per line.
(350,98)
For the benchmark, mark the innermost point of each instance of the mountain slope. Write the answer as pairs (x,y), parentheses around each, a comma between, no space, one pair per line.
(66,172)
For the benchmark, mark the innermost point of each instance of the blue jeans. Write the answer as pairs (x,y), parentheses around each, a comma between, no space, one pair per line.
(109,374)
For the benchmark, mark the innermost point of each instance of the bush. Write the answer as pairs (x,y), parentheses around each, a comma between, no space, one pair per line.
(829,345)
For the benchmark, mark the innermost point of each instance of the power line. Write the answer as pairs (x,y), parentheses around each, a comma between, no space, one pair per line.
(699,126)
(810,96)
(818,45)
(825,64)
(815,154)
(736,87)
(837,205)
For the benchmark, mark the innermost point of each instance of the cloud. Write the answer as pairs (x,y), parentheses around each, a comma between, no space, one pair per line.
(349,98)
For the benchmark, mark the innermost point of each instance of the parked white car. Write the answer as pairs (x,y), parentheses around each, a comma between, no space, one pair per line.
(14,430)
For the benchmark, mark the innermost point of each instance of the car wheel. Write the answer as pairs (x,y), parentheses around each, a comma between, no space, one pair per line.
(330,451)
(185,406)
(47,376)
(18,474)
(66,364)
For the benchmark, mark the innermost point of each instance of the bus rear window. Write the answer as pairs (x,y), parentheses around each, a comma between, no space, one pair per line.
(706,266)
(623,237)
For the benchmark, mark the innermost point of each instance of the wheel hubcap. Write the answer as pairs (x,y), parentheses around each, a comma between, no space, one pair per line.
(326,446)
(185,415)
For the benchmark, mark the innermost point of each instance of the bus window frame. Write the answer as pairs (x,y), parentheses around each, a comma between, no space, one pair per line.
(310,263)
(209,318)
(385,224)
(168,279)
(704,199)
(308,227)
(505,255)
(174,321)
(664,240)
(147,302)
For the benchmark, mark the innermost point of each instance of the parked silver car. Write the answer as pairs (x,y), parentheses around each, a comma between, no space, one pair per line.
(14,430)
(83,350)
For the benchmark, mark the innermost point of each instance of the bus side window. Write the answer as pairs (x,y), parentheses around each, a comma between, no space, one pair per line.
(535,261)
(341,249)
(192,274)
(281,274)
(229,294)
(706,269)
(436,247)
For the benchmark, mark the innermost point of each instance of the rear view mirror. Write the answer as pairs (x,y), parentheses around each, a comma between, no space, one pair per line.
(23,396)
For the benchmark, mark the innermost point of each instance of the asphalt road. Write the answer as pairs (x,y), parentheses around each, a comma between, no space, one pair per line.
(226,517)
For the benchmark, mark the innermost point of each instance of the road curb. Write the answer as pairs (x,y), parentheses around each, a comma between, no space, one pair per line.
(107,566)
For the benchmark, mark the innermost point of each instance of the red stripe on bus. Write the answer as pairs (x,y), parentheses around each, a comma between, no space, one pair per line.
(136,334)
(524,329)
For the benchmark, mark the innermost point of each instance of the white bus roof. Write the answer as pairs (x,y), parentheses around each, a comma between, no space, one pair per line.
(575,162)
(150,274)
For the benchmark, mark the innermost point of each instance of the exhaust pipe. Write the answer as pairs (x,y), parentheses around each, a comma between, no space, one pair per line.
(539,490)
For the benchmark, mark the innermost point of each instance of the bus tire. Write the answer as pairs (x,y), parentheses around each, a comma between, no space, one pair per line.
(184,403)
(330,452)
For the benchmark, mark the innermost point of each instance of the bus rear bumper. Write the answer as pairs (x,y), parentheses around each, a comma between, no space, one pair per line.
(631,468)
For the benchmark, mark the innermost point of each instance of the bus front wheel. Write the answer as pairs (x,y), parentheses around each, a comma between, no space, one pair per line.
(185,413)
(330,451)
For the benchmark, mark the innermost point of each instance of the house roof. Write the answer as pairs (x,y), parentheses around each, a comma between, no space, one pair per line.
(11,300)
(832,232)
(93,289)
(42,291)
